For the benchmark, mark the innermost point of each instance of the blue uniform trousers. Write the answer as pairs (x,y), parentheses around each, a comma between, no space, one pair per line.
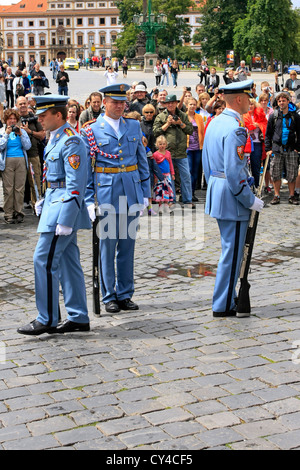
(117,242)
(233,235)
(57,260)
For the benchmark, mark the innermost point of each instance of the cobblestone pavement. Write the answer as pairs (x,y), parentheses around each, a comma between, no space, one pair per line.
(168,376)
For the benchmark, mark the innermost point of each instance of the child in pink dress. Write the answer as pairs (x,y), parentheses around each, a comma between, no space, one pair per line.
(163,191)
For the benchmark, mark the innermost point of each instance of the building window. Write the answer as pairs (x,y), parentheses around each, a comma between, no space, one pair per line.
(42,23)
(10,42)
(102,5)
(20,24)
(30,23)
(42,41)
(9,24)
(53,22)
(68,21)
(31,41)
(60,21)
(113,20)
(102,40)
(91,21)
(102,20)
(91,5)
(53,6)
(61,40)
(53,42)
(79,21)
(78,5)
(20,41)
(79,40)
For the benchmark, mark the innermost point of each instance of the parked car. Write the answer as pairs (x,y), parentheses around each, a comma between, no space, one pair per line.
(294,67)
(71,64)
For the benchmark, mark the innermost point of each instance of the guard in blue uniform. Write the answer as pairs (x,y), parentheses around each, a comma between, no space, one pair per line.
(62,213)
(229,197)
(118,175)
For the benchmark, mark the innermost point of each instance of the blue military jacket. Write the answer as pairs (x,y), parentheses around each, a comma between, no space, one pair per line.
(124,150)
(66,165)
(225,166)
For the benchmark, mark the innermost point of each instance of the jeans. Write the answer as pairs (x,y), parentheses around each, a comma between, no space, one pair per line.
(174,78)
(185,179)
(63,90)
(165,75)
(194,159)
(255,162)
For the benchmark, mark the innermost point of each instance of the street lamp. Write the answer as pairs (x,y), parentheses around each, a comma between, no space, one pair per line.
(150,26)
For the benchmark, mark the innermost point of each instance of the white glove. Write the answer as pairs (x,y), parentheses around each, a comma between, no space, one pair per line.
(257,205)
(146,202)
(91,211)
(38,206)
(63,230)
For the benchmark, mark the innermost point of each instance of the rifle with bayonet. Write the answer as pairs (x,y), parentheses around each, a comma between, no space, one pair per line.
(243,301)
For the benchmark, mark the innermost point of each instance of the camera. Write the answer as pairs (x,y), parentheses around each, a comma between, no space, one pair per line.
(29,119)
(175,118)
(15,129)
(188,88)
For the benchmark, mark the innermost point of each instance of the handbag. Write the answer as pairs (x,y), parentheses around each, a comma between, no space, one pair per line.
(45,82)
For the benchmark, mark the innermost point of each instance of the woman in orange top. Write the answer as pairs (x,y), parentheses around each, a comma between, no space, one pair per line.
(195,143)
(256,123)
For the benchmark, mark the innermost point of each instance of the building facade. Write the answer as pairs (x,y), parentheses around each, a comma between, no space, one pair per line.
(41,30)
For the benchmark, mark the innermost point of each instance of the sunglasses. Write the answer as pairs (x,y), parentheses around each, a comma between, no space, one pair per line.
(148,112)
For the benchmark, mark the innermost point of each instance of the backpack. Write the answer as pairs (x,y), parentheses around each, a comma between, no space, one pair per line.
(20,88)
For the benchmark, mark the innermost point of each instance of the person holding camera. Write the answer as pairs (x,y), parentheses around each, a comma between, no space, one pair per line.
(29,123)
(111,75)
(242,72)
(13,145)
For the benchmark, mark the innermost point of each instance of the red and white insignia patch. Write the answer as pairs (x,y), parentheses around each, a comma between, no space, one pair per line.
(240,151)
(74,161)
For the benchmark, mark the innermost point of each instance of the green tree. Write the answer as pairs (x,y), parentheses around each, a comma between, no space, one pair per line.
(216,26)
(174,32)
(270,27)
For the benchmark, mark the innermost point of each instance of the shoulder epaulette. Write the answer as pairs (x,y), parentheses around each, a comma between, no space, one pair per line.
(88,123)
(69,131)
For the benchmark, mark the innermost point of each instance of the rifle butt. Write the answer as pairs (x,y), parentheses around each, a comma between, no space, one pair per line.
(96,284)
(243,302)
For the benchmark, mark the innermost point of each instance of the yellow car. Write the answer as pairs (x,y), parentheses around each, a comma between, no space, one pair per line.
(71,64)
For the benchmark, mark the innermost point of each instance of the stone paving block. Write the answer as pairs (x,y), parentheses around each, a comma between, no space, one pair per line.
(260,428)
(286,441)
(121,425)
(50,425)
(33,443)
(217,437)
(87,433)
(142,436)
(167,416)
(11,433)
(218,420)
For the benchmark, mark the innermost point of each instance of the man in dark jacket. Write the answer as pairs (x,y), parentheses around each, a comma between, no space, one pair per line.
(283,140)
(37,77)
(62,80)
(9,78)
